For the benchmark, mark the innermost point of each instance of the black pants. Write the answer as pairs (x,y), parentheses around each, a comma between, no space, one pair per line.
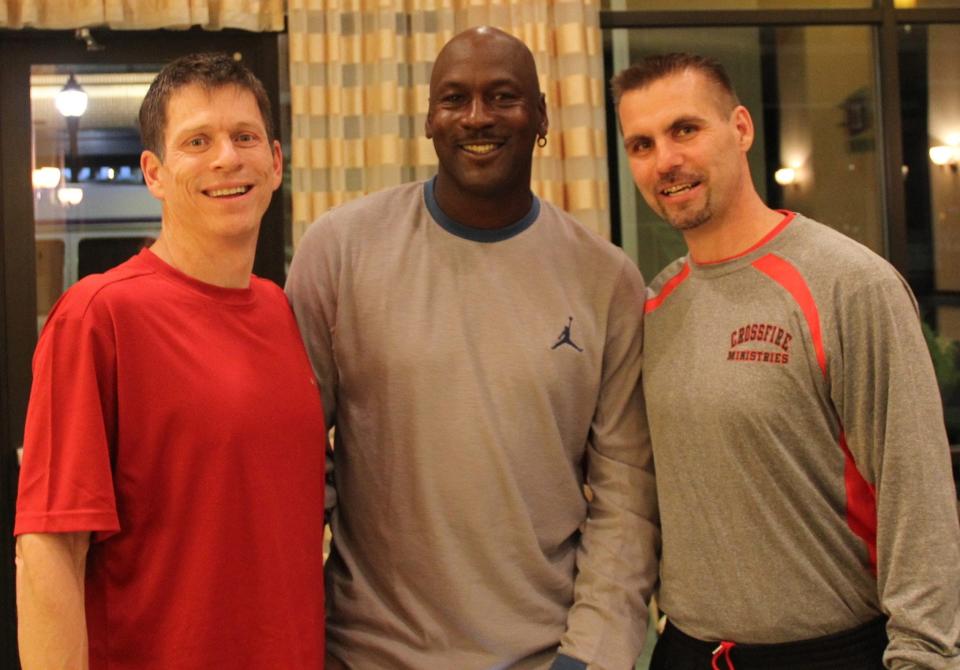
(855,649)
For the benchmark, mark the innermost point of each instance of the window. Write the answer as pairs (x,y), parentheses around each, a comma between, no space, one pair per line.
(813,119)
(931,150)
(859,101)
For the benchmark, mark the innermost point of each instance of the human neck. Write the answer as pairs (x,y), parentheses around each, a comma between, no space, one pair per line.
(226,265)
(731,234)
(477,211)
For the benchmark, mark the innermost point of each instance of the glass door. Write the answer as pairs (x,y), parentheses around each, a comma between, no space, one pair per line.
(91,207)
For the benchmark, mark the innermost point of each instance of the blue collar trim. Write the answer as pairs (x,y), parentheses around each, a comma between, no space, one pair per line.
(477,234)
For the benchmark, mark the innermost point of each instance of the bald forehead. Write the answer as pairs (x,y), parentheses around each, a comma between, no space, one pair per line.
(487,48)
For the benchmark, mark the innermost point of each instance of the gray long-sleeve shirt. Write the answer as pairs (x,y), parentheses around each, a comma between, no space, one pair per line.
(476,379)
(802,467)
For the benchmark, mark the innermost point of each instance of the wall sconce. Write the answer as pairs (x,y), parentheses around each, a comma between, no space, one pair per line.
(70,195)
(785,176)
(46,177)
(945,155)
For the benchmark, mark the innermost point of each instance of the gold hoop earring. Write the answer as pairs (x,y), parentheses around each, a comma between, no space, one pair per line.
(541,141)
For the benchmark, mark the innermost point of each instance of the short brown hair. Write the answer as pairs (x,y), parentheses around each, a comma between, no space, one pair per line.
(209,70)
(656,67)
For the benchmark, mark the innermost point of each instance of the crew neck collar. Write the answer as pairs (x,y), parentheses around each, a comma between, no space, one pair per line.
(235,296)
(486,235)
(747,256)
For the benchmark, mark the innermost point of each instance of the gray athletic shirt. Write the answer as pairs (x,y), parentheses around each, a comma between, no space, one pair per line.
(470,376)
(802,467)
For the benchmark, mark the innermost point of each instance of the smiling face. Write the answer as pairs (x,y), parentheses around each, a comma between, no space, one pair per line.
(219,168)
(485,113)
(686,142)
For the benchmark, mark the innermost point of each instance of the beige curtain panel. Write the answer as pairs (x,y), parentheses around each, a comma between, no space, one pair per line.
(256,15)
(359,84)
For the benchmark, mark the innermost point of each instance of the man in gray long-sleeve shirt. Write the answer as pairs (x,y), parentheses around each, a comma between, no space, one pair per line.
(479,353)
(807,508)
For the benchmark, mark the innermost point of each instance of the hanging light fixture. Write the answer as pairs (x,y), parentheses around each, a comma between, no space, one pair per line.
(71,100)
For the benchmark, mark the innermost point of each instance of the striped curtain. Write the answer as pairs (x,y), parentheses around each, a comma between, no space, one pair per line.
(359,85)
(142,15)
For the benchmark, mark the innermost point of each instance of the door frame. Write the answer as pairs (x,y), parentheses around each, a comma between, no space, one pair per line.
(19,50)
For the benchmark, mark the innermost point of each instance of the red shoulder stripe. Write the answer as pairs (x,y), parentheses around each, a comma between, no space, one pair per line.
(668,288)
(790,278)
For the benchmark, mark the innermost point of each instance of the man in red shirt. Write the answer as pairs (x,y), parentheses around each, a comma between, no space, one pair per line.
(171,495)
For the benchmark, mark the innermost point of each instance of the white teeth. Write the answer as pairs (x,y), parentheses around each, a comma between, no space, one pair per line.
(679,188)
(222,192)
(480,148)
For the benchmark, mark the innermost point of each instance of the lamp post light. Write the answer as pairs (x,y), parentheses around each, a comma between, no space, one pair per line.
(71,102)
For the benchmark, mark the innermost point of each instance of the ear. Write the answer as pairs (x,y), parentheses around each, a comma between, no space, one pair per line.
(150,166)
(544,121)
(428,124)
(743,124)
(277,165)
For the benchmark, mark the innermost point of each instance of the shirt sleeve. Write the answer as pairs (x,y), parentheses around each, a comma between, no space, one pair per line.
(890,408)
(617,561)
(312,286)
(66,482)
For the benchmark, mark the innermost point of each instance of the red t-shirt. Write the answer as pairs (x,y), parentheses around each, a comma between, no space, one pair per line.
(180,423)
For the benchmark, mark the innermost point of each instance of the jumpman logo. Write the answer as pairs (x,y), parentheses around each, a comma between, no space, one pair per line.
(565,336)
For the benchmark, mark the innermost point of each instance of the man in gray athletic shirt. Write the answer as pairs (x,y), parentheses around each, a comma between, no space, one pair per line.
(479,353)
(807,508)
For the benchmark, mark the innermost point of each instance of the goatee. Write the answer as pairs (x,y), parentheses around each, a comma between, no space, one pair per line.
(690,221)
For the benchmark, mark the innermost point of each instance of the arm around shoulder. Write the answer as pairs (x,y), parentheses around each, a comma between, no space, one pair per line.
(52,629)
